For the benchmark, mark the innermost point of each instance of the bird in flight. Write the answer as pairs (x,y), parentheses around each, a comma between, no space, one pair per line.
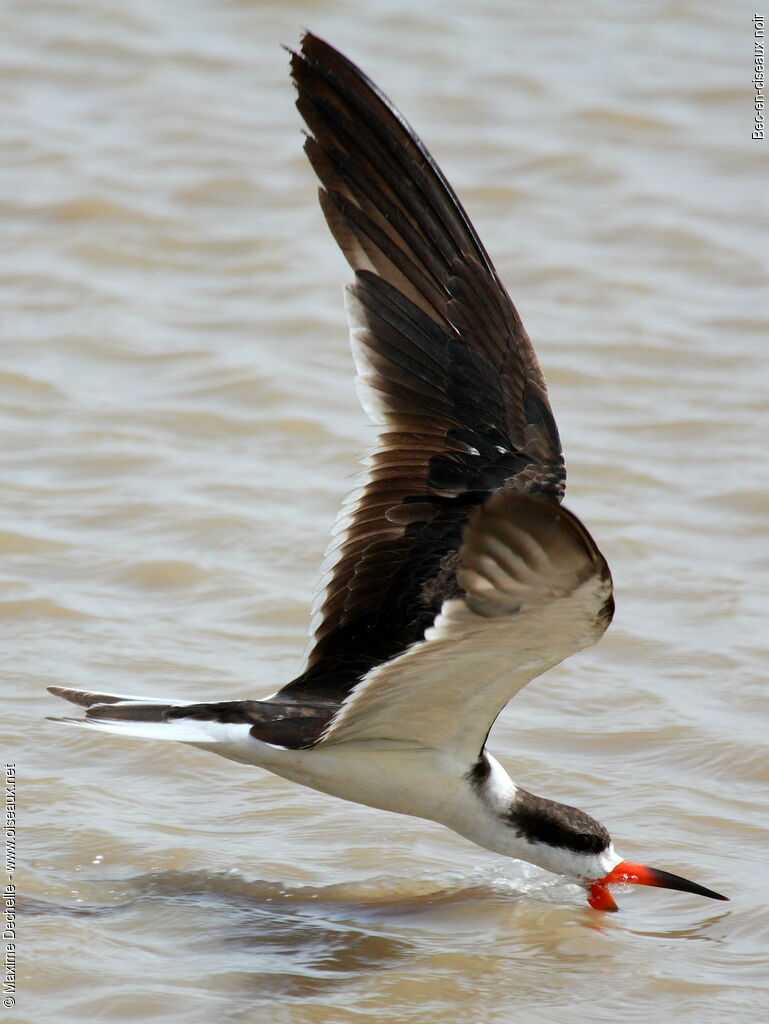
(457,575)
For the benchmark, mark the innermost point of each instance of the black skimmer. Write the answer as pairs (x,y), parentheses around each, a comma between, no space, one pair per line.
(457,575)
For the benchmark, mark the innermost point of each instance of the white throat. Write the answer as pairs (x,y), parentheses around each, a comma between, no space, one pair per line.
(485,819)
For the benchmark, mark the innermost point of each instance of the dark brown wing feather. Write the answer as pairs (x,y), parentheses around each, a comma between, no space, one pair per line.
(445,368)
(282,722)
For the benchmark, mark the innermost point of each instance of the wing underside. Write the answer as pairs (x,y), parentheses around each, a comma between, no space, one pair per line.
(536,589)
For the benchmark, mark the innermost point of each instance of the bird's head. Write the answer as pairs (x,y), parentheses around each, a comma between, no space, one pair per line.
(571,843)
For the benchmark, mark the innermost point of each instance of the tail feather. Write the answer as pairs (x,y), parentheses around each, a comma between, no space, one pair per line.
(287,723)
(150,717)
(87,698)
(180,731)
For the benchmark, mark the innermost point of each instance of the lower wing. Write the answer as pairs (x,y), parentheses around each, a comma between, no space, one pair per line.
(536,590)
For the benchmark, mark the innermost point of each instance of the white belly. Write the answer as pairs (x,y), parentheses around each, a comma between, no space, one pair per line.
(420,782)
(415,782)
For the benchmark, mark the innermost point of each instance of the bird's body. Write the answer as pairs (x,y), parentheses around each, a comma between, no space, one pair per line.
(456,576)
(478,802)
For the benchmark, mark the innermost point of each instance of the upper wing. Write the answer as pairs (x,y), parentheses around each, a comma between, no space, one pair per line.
(445,369)
(537,589)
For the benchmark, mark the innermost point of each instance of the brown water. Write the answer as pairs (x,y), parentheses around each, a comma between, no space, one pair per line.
(179,426)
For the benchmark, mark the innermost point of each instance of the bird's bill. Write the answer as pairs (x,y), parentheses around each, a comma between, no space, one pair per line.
(638,874)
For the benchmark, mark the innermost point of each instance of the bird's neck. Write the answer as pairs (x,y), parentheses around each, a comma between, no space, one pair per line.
(502,817)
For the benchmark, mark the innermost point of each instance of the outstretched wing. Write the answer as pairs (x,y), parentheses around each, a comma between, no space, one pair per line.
(445,370)
(536,589)
(457,577)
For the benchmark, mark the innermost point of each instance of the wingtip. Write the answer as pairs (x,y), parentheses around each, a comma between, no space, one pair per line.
(65,693)
(83,698)
(307,40)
